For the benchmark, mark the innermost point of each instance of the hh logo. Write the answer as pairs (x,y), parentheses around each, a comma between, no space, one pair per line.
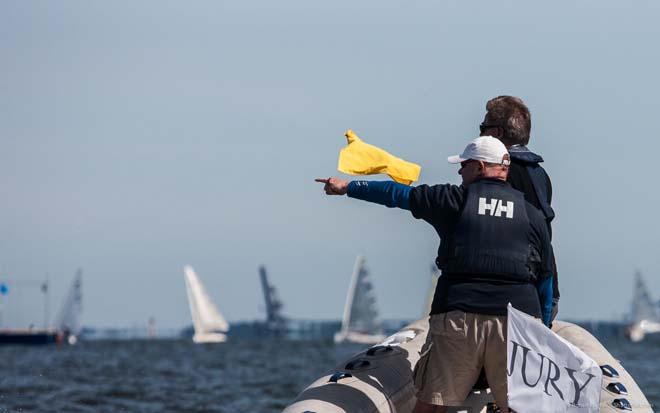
(495,207)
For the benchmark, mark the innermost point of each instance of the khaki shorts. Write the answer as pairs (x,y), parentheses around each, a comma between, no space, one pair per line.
(458,345)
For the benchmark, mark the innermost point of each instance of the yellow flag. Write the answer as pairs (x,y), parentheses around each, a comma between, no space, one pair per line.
(360,158)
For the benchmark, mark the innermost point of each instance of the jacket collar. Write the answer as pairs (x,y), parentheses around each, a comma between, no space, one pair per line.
(520,153)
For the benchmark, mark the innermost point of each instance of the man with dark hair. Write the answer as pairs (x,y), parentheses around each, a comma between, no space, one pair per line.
(508,119)
(494,250)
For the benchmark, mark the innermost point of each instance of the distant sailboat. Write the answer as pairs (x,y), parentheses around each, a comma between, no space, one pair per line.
(435,274)
(208,323)
(360,321)
(276,324)
(68,319)
(645,315)
(67,325)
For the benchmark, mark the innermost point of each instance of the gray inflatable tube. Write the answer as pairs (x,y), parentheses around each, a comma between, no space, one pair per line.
(379,379)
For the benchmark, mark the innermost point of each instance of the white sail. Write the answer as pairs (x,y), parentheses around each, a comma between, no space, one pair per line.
(435,275)
(360,321)
(68,319)
(209,324)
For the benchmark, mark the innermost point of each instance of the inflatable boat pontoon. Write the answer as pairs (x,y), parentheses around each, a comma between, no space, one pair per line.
(379,379)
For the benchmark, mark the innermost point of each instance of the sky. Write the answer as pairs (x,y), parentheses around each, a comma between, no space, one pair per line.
(139,137)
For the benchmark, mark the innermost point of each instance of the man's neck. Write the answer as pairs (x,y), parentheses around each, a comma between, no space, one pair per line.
(494,174)
(484,178)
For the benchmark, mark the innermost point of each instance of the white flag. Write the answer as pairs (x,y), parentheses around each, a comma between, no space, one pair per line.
(547,373)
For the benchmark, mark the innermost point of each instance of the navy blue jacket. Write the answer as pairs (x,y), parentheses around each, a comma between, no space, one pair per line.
(528,176)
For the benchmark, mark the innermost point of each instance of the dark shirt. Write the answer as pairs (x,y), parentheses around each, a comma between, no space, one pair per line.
(440,206)
(519,179)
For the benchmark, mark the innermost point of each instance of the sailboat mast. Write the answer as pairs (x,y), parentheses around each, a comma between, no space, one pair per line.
(45,288)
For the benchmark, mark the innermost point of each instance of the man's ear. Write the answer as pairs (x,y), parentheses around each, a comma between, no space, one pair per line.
(482,167)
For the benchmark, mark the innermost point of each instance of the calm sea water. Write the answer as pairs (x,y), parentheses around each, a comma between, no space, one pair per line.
(178,376)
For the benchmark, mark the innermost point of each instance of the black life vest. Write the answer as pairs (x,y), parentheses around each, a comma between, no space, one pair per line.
(491,236)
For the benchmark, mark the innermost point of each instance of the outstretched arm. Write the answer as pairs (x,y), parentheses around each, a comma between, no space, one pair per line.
(388,193)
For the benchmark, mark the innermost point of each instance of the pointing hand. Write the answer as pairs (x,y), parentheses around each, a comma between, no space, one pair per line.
(334,186)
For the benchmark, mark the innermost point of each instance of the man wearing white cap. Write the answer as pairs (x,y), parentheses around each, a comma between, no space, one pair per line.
(494,249)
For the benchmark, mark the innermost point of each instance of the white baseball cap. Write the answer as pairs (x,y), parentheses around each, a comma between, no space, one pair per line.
(484,148)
